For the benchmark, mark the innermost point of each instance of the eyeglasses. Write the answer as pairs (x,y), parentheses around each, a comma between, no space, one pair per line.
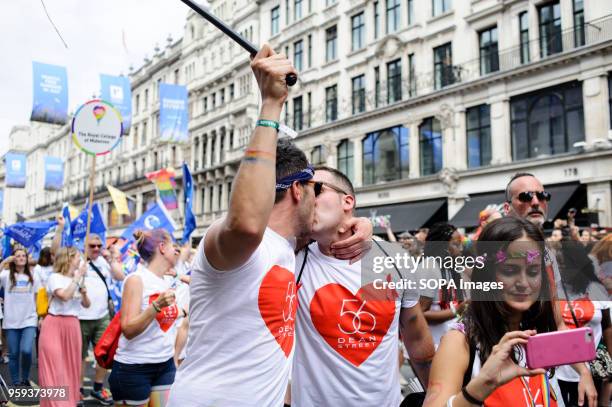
(93,246)
(318,187)
(527,196)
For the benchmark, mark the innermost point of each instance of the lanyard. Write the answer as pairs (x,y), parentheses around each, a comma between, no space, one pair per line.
(547,392)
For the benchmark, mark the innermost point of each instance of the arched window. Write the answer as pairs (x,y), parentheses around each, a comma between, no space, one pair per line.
(385,155)
(430,142)
(547,122)
(317,155)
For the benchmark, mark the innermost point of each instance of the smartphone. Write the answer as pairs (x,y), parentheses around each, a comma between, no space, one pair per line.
(560,348)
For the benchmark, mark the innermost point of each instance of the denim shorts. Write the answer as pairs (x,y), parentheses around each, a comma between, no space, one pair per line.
(133,383)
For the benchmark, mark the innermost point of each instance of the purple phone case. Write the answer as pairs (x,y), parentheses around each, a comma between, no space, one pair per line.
(560,348)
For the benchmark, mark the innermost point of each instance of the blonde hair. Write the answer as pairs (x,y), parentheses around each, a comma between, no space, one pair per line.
(603,249)
(63,258)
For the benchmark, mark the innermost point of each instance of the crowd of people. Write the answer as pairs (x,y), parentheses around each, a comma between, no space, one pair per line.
(272,307)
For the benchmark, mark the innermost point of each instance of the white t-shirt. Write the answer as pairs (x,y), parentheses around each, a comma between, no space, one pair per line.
(19,300)
(241,330)
(347,347)
(56,305)
(96,291)
(156,343)
(438,329)
(43,273)
(589,314)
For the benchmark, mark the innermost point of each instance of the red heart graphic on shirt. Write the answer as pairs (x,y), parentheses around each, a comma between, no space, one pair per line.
(166,317)
(352,324)
(583,308)
(278,304)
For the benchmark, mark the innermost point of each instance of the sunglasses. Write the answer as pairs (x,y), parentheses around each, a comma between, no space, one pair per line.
(93,246)
(527,196)
(318,187)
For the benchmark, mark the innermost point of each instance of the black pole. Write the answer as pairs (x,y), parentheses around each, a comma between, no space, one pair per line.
(291,79)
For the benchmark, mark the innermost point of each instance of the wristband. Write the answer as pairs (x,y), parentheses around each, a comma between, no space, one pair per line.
(268,123)
(156,307)
(470,398)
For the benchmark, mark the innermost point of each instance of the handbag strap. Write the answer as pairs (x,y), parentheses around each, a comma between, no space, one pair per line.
(303,265)
(569,303)
(99,273)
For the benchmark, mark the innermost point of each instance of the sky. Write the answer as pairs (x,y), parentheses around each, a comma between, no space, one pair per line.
(102,37)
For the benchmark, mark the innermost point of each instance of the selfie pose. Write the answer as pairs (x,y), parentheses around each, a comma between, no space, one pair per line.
(481,361)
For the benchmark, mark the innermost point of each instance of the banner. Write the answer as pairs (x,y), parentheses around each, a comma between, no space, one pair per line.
(173,118)
(15,170)
(119,199)
(54,173)
(117,91)
(165,184)
(155,218)
(79,226)
(50,93)
(190,222)
(67,233)
(29,234)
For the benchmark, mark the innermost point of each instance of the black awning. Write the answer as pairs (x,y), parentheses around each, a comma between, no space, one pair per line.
(468,214)
(561,193)
(404,216)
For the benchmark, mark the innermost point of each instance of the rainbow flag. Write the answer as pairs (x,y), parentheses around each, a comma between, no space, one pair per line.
(164,181)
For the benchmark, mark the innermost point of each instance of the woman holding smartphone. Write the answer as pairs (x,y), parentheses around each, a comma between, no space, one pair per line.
(478,362)
(60,343)
(143,367)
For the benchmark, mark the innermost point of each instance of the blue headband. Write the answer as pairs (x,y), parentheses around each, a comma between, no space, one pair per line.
(286,182)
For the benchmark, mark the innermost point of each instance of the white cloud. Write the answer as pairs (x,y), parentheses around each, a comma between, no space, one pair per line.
(94,34)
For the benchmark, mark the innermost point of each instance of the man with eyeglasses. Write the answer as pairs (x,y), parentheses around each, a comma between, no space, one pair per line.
(347,342)
(96,318)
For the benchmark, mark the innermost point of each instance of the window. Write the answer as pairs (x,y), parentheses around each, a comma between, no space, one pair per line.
(376,86)
(443,66)
(286,12)
(309,50)
(489,57)
(357,32)
(213,145)
(610,98)
(222,93)
(231,91)
(550,29)
(524,36)
(317,156)
(213,99)
(331,103)
(441,6)
(547,122)
(144,133)
(202,205)
(146,100)
(219,196)
(137,104)
(376,20)
(330,2)
(297,9)
(478,136)
(394,81)
(345,158)
(393,15)
(210,198)
(411,76)
(410,12)
(298,121)
(274,20)
(298,51)
(430,142)
(385,155)
(358,94)
(309,107)
(579,39)
(331,36)
(205,104)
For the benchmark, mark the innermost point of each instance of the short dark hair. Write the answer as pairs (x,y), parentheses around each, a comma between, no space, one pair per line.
(342,179)
(44,258)
(289,160)
(514,177)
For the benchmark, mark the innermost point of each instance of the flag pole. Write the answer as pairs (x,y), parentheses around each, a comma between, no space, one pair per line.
(92,175)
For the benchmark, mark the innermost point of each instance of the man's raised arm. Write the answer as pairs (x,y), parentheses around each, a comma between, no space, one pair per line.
(230,243)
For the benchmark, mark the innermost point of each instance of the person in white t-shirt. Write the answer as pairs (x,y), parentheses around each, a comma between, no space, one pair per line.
(20,287)
(59,346)
(348,328)
(143,366)
(243,294)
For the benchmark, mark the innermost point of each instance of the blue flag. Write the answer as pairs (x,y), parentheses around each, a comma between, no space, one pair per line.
(154,218)
(6,247)
(29,234)
(15,170)
(67,233)
(116,89)
(79,226)
(190,222)
(50,103)
(173,112)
